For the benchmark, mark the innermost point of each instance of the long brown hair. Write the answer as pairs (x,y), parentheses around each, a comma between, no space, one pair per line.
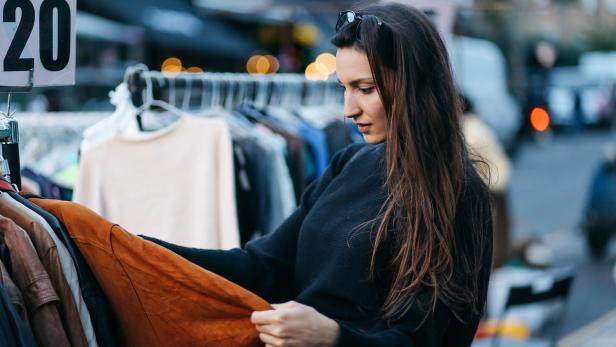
(428,168)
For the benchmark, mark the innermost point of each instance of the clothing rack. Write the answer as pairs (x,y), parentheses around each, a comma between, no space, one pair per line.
(230,89)
(9,136)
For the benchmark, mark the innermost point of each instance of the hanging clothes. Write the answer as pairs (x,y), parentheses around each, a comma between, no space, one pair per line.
(13,332)
(175,184)
(36,287)
(253,204)
(5,255)
(98,306)
(160,299)
(54,258)
(46,186)
(295,156)
(281,195)
(338,137)
(14,296)
(122,118)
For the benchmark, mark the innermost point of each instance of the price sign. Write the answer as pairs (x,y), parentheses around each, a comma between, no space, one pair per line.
(37,35)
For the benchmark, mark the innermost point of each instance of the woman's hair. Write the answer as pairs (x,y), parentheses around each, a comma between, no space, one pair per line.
(428,170)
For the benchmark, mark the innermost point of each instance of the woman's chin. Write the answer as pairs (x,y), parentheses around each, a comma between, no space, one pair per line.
(373,139)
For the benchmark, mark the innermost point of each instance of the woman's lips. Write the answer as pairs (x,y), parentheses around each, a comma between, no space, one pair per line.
(363,128)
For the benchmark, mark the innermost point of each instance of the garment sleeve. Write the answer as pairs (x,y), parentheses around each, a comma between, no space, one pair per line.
(266,266)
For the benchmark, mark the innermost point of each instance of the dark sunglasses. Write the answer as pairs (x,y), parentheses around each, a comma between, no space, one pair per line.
(348,17)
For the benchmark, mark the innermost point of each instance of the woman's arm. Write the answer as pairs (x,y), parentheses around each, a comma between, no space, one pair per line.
(266,266)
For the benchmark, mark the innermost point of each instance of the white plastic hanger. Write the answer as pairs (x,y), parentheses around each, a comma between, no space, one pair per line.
(149,100)
(187,93)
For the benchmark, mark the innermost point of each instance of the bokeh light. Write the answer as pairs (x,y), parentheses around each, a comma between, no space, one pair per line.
(328,60)
(172,65)
(313,72)
(194,69)
(274,64)
(306,34)
(539,119)
(251,65)
(321,68)
(262,64)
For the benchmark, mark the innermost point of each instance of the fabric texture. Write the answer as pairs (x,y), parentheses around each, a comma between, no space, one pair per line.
(317,141)
(33,281)
(158,298)
(49,188)
(320,257)
(120,179)
(98,306)
(295,156)
(6,186)
(14,296)
(47,251)
(13,332)
(281,195)
(338,137)
(5,254)
(252,200)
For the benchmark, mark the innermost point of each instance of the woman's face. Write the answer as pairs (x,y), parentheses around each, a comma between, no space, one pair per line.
(362,102)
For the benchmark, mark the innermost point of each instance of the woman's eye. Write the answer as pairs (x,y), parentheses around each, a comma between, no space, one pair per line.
(367,90)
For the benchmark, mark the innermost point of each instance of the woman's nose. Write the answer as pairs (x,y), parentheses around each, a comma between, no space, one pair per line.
(351,108)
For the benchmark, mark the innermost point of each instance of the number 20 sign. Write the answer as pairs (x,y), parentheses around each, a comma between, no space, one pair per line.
(37,35)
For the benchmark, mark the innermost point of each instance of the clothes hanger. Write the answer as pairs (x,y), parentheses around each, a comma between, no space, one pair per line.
(187,93)
(230,100)
(149,102)
(261,92)
(204,91)
(215,97)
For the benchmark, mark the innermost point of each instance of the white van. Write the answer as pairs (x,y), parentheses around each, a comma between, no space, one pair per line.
(480,71)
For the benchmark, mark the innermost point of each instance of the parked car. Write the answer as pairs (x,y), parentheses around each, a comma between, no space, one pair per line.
(578,99)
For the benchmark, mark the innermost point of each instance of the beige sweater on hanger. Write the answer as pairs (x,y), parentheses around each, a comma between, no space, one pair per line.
(176,184)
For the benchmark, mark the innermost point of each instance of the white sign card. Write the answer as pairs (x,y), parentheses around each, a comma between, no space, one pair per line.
(37,35)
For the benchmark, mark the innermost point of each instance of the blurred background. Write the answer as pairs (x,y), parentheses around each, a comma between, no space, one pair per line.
(540,80)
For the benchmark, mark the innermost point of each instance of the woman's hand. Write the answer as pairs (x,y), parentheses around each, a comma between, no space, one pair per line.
(294,324)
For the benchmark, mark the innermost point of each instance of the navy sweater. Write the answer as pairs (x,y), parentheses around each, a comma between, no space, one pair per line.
(320,257)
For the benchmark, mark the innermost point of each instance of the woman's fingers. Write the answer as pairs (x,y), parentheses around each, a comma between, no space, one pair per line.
(266,328)
(264,317)
(288,304)
(270,340)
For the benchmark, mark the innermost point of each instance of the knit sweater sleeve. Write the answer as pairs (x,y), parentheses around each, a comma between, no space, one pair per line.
(266,265)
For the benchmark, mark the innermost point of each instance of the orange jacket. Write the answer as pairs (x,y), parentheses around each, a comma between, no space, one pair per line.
(158,297)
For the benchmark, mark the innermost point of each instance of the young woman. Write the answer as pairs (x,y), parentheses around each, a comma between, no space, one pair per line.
(392,245)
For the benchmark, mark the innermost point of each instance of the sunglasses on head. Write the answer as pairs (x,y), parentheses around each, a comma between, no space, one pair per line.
(348,17)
